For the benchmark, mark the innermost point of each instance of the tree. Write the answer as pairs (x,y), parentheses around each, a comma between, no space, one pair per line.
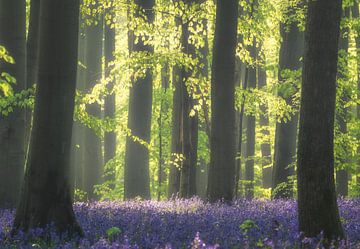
(291,50)
(93,162)
(137,181)
(264,124)
(46,194)
(355,14)
(317,205)
(109,47)
(12,127)
(222,157)
(250,131)
(341,115)
(176,145)
(32,44)
(77,154)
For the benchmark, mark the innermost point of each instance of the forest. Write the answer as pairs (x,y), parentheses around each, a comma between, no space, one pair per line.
(164,124)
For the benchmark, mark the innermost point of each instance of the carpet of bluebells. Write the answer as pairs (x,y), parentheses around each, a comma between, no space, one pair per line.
(187,224)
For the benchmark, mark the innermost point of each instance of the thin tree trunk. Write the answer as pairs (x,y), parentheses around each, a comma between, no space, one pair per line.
(189,123)
(291,50)
(222,158)
(355,13)
(78,133)
(137,180)
(93,150)
(164,86)
(176,143)
(46,194)
(317,207)
(109,47)
(264,125)
(341,115)
(250,133)
(240,151)
(12,127)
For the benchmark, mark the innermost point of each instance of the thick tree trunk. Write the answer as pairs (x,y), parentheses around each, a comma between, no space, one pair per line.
(291,50)
(222,158)
(137,180)
(109,47)
(32,45)
(342,177)
(12,127)
(93,156)
(264,125)
(250,132)
(46,194)
(317,205)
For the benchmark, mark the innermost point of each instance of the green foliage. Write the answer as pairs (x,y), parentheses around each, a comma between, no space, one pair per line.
(112,233)
(258,25)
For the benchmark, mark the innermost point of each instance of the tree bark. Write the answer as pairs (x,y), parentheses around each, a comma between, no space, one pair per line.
(355,14)
(137,180)
(109,47)
(46,194)
(264,125)
(222,157)
(176,144)
(291,50)
(12,127)
(93,155)
(32,52)
(77,152)
(250,132)
(317,205)
(189,123)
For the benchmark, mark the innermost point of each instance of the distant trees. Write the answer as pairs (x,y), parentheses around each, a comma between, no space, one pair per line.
(222,158)
(137,180)
(93,158)
(46,194)
(317,205)
(12,126)
(291,50)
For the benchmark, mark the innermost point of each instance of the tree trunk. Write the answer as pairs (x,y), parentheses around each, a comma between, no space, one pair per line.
(264,125)
(32,45)
(222,157)
(291,50)
(317,205)
(341,115)
(165,82)
(93,162)
(12,127)
(137,180)
(46,194)
(109,47)
(355,13)
(176,144)
(250,132)
(78,133)
(189,123)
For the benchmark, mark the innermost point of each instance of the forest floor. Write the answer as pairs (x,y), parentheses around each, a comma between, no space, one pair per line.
(188,224)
